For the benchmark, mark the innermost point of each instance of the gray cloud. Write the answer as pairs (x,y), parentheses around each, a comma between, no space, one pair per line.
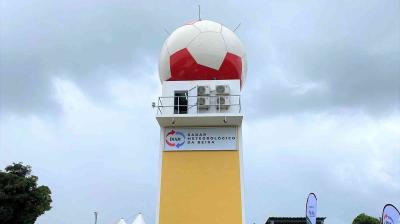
(308,56)
(321,75)
(347,160)
(322,57)
(78,41)
(337,79)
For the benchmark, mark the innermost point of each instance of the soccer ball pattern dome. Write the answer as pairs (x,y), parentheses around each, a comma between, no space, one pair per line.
(202,50)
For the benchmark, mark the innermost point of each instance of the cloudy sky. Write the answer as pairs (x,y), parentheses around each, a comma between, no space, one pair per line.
(321,103)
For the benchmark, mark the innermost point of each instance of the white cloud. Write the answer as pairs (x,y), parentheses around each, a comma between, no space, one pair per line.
(93,157)
(77,83)
(350,161)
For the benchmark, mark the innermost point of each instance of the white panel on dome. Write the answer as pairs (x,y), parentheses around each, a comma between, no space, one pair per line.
(233,44)
(208,26)
(163,66)
(208,49)
(181,37)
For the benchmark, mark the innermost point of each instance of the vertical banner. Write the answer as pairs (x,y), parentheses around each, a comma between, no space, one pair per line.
(311,209)
(390,215)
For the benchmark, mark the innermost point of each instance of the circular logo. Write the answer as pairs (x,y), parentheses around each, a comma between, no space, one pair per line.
(175,139)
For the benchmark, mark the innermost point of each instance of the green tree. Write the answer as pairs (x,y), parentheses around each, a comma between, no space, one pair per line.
(365,219)
(21,199)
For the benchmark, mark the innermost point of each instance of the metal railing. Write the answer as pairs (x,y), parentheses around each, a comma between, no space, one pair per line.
(171,105)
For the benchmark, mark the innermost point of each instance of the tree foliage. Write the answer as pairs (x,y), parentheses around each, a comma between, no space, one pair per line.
(365,219)
(21,199)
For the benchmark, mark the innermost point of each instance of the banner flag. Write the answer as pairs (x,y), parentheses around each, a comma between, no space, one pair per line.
(390,215)
(311,209)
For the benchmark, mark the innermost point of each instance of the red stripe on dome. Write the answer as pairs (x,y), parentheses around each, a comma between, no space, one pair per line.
(184,67)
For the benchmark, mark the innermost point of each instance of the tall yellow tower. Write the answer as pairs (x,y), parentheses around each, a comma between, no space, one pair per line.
(202,69)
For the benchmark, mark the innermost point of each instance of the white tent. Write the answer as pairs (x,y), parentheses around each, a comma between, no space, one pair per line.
(139,219)
(121,221)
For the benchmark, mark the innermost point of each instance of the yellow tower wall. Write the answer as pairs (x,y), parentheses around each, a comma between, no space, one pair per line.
(200,187)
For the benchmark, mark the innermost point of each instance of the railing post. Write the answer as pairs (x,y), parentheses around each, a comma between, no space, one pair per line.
(240,105)
(158,105)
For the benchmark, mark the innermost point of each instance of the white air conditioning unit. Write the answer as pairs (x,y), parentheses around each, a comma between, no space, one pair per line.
(203,90)
(223,102)
(203,103)
(222,89)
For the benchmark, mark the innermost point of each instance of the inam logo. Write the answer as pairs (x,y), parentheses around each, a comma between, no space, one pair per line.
(191,139)
(175,138)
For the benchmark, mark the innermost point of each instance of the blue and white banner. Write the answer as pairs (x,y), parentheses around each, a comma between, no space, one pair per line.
(311,209)
(187,139)
(390,215)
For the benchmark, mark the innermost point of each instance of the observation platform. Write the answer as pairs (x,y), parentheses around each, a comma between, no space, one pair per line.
(187,111)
